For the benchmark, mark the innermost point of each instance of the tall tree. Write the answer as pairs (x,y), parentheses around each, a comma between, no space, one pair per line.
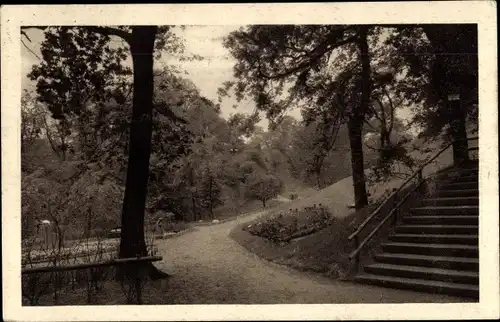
(455,72)
(263,187)
(132,240)
(141,41)
(300,60)
(326,123)
(443,60)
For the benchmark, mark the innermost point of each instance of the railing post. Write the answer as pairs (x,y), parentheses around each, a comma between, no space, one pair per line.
(396,210)
(420,182)
(356,258)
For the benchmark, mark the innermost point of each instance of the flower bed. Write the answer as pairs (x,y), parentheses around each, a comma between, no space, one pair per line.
(295,223)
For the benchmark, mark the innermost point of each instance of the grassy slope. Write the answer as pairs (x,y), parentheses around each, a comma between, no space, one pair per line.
(327,251)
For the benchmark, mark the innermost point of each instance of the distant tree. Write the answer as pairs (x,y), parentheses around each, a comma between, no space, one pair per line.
(327,122)
(31,123)
(31,129)
(245,125)
(94,202)
(263,187)
(211,188)
(307,150)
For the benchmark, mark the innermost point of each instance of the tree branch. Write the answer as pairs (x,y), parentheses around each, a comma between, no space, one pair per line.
(169,114)
(49,137)
(371,147)
(23,33)
(370,125)
(33,27)
(109,31)
(29,49)
(392,107)
(316,54)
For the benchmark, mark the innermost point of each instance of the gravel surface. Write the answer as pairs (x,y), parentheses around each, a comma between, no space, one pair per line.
(208,267)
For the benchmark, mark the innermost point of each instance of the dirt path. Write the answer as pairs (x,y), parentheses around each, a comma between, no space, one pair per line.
(208,267)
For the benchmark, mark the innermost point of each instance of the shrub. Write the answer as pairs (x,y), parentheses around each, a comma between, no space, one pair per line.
(294,223)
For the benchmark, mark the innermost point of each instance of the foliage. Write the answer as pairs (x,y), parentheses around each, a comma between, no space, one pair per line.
(31,122)
(433,73)
(84,208)
(94,203)
(78,66)
(325,69)
(42,199)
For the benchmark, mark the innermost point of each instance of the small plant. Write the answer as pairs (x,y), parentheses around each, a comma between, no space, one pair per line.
(132,279)
(34,286)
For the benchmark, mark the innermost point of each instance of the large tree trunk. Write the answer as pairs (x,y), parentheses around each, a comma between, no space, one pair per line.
(355,124)
(358,174)
(132,241)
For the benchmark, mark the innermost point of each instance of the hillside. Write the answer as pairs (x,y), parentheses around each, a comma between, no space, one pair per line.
(326,251)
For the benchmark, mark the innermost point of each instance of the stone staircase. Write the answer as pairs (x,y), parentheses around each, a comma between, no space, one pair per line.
(434,247)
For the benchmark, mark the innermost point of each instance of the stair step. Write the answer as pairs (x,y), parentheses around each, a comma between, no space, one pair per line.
(446,210)
(456,289)
(459,250)
(457,193)
(435,238)
(446,219)
(457,180)
(459,186)
(466,175)
(449,262)
(452,201)
(437,229)
(472,169)
(425,273)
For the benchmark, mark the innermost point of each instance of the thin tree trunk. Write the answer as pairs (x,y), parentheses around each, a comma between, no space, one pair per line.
(318,178)
(211,200)
(193,203)
(459,133)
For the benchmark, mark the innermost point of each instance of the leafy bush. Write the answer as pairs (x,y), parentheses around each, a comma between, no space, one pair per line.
(294,223)
(263,187)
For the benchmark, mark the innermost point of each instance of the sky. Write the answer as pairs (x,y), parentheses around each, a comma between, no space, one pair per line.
(208,75)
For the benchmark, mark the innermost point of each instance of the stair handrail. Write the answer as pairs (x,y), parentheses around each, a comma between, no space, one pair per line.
(418,172)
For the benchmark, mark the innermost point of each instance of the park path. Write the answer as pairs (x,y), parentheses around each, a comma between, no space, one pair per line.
(208,267)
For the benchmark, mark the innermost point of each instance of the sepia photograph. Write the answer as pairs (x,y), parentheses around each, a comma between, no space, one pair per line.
(250,163)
